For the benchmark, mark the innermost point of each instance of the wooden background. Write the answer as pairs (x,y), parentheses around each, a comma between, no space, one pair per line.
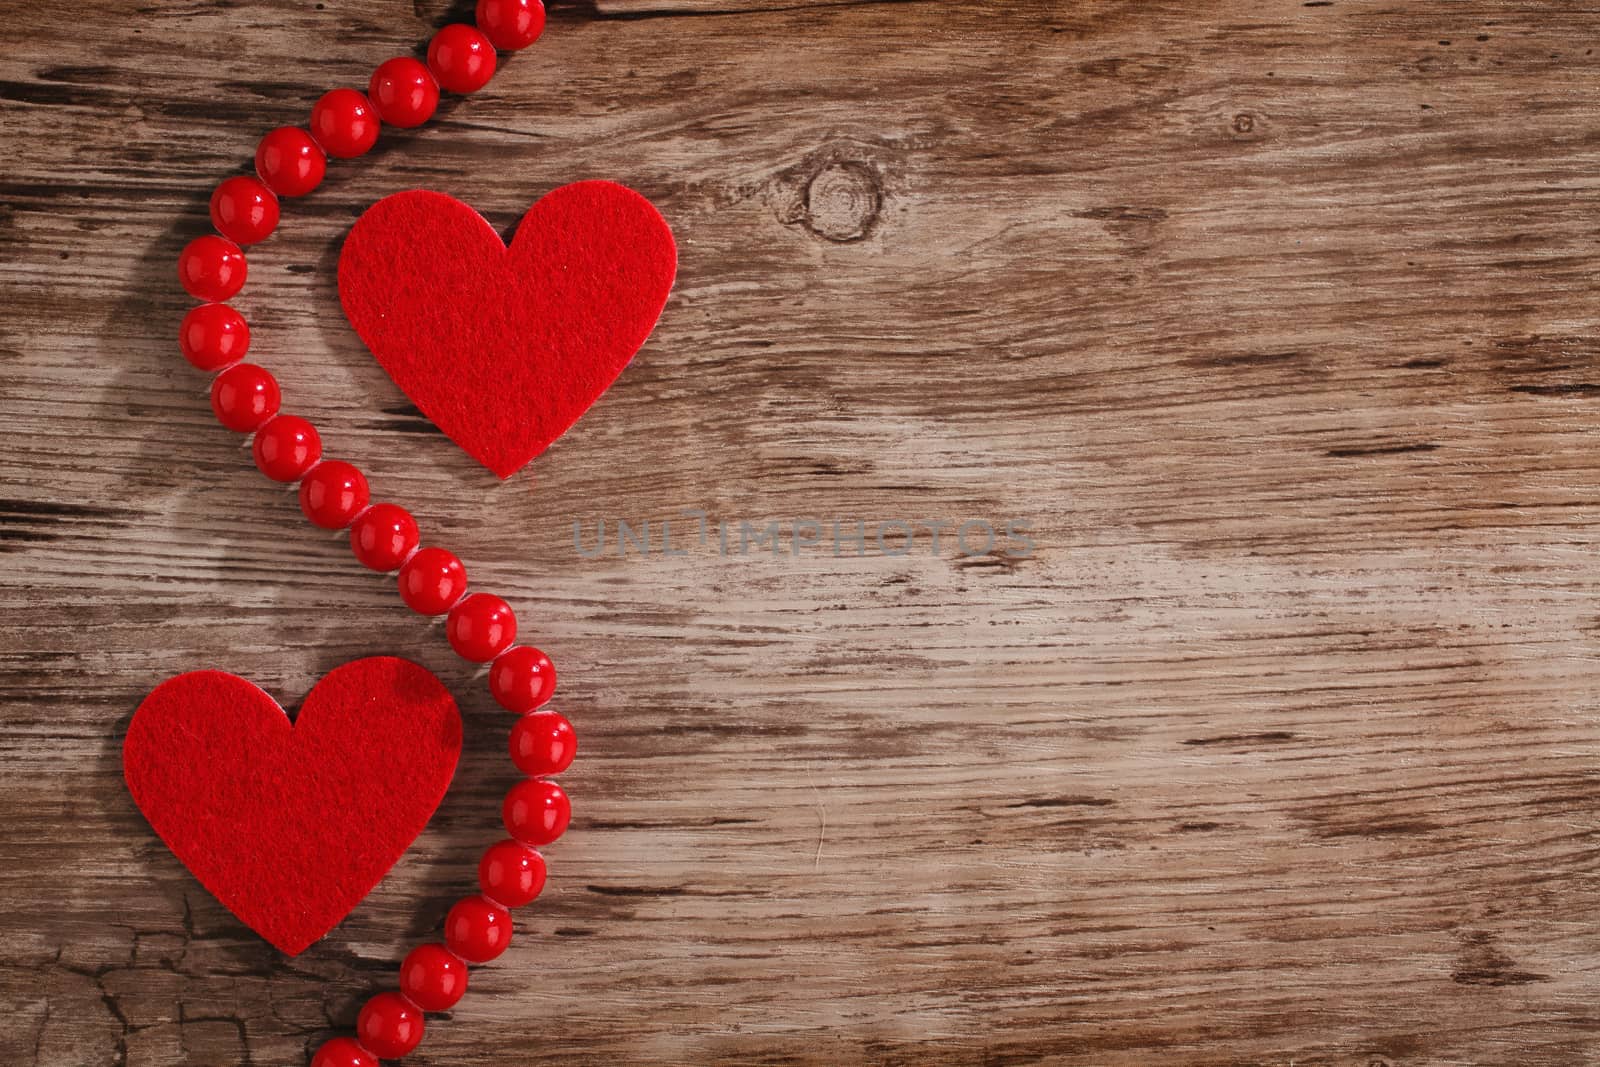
(1278,321)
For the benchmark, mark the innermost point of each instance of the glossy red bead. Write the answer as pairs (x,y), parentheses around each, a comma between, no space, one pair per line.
(522,678)
(343,1052)
(384,536)
(244,396)
(511,24)
(213,336)
(481,627)
(536,812)
(344,123)
(403,92)
(432,581)
(511,873)
(543,743)
(211,268)
(290,161)
(390,1026)
(286,447)
(433,978)
(243,210)
(332,494)
(477,929)
(461,58)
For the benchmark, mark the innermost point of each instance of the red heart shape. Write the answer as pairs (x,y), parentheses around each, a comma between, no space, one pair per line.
(291,825)
(505,348)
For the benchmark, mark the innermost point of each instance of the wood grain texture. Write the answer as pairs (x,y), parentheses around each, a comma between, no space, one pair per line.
(1277,320)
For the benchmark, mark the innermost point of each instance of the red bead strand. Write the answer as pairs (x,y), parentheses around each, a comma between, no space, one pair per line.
(511,873)
(343,1052)
(214,337)
(403,92)
(332,494)
(290,161)
(511,24)
(432,581)
(543,744)
(244,211)
(390,1026)
(433,978)
(461,58)
(286,447)
(244,396)
(536,812)
(212,268)
(383,537)
(522,679)
(477,929)
(481,627)
(345,123)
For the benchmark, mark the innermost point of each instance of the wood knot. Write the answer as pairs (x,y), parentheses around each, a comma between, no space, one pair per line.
(842,202)
(1248,125)
(836,193)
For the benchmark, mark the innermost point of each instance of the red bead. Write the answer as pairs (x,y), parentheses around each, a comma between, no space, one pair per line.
(343,1052)
(432,581)
(403,92)
(433,977)
(461,58)
(543,744)
(244,396)
(477,929)
(536,812)
(211,268)
(481,627)
(332,494)
(213,336)
(286,447)
(389,1025)
(522,678)
(511,873)
(243,210)
(344,123)
(290,161)
(511,24)
(383,536)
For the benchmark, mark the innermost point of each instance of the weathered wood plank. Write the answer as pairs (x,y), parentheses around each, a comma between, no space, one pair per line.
(1274,319)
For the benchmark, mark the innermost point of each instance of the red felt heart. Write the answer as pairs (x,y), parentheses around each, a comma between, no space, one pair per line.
(291,825)
(505,348)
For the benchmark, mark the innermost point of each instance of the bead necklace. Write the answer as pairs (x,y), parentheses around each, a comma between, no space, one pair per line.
(334,495)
